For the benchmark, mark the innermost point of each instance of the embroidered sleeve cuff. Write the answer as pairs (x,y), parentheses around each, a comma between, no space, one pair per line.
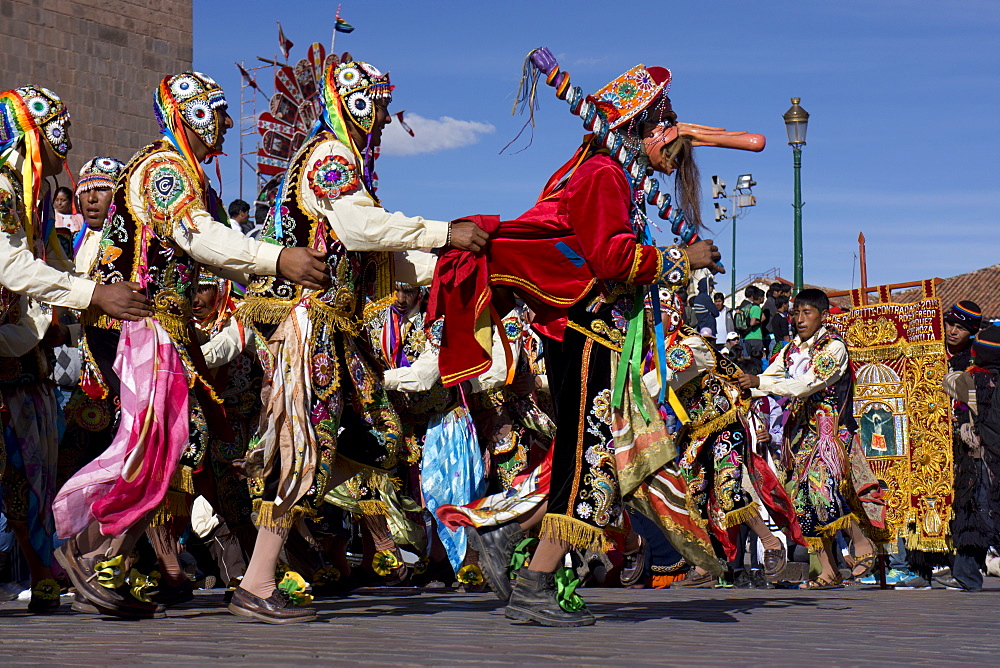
(267,259)
(675,268)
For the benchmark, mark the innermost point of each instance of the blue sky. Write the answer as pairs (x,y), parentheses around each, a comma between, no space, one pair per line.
(902,141)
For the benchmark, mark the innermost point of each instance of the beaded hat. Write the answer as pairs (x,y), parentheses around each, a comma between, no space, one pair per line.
(632,93)
(100,172)
(31,108)
(190,98)
(355,87)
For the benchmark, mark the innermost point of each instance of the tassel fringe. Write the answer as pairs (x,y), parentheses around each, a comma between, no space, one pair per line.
(579,534)
(182,480)
(741,515)
(267,311)
(175,504)
(265,517)
(370,507)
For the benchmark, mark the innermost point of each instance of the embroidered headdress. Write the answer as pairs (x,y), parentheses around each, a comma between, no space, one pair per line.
(100,172)
(28,113)
(350,91)
(191,99)
(633,94)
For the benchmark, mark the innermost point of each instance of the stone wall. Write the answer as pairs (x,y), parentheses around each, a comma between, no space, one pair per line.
(104,58)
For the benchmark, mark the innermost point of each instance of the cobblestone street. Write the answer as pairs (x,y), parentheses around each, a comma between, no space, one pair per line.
(635,627)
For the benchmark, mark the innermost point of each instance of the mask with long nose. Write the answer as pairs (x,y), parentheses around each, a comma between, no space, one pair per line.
(665,142)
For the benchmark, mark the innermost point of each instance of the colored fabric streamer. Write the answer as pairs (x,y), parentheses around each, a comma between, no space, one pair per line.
(453,473)
(132,476)
(528,491)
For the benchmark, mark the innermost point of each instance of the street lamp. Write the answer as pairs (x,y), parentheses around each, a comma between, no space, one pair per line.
(796,122)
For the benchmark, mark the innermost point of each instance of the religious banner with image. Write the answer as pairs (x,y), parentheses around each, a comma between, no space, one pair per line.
(904,417)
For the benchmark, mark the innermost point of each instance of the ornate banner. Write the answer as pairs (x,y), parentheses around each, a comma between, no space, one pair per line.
(904,417)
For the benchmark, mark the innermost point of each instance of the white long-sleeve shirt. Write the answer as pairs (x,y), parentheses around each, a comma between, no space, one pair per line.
(20,270)
(800,379)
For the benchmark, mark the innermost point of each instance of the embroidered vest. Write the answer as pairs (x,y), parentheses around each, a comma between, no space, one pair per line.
(711,399)
(361,281)
(132,251)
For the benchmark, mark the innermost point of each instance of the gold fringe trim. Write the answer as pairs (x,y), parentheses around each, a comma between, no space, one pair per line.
(175,504)
(373,507)
(182,480)
(268,311)
(715,424)
(264,510)
(915,542)
(827,531)
(579,534)
(741,515)
(176,326)
(815,544)
(376,308)
(322,314)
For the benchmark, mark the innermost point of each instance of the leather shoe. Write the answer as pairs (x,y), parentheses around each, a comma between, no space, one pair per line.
(107,601)
(950,582)
(275,609)
(44,597)
(774,561)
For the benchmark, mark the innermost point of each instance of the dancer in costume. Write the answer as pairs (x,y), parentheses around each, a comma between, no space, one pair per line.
(34,141)
(577,259)
(326,415)
(818,448)
(231,358)
(30,441)
(93,190)
(163,227)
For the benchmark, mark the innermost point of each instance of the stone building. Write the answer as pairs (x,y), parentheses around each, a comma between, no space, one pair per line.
(104,58)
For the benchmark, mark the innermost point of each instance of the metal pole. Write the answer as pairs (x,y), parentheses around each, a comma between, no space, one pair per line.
(732,270)
(797,163)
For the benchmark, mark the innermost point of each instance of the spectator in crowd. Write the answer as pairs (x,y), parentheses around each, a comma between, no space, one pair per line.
(239,213)
(750,321)
(704,308)
(781,331)
(723,321)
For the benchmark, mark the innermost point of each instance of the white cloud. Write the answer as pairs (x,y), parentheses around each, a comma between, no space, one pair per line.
(431,136)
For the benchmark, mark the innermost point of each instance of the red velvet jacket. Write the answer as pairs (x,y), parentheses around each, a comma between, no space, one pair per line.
(552,255)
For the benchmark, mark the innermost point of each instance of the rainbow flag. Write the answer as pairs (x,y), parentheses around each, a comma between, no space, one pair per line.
(343,26)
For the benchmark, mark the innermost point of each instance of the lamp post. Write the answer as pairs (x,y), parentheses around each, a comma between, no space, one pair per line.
(796,122)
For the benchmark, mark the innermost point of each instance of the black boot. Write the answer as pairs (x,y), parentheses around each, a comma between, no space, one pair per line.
(534,599)
(495,548)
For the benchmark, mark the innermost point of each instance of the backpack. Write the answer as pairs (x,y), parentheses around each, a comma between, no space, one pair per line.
(741,318)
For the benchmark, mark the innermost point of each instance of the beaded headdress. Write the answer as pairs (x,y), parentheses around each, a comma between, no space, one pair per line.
(191,99)
(28,113)
(100,172)
(353,88)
